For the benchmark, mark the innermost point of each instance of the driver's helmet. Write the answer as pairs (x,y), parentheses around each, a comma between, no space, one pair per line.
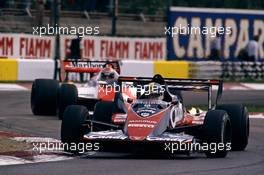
(154,91)
(108,74)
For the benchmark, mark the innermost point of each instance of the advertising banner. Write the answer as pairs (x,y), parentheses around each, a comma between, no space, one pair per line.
(190,32)
(26,46)
(116,48)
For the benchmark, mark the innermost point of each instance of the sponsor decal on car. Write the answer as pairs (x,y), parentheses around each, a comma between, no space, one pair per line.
(171,137)
(85,64)
(118,135)
(143,121)
(140,125)
(119,118)
(105,137)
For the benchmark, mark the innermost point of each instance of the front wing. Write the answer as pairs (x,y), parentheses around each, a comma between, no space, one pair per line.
(117,141)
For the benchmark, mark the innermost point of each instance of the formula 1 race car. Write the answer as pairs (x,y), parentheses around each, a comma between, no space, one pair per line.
(158,122)
(48,96)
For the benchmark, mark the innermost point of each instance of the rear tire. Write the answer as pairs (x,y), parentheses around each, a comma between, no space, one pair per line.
(217,130)
(240,125)
(68,96)
(103,113)
(72,129)
(44,97)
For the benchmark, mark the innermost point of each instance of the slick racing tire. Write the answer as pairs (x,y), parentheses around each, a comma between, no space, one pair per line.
(217,134)
(68,96)
(239,118)
(72,129)
(103,113)
(44,97)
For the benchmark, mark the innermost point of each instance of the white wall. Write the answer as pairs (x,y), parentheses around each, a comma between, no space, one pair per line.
(31,69)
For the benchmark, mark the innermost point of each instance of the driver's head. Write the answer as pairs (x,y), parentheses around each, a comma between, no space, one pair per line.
(108,74)
(154,91)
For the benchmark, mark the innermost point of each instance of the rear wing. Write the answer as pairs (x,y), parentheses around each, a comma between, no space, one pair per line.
(202,85)
(85,66)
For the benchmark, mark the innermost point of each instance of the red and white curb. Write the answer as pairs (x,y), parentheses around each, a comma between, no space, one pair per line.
(41,152)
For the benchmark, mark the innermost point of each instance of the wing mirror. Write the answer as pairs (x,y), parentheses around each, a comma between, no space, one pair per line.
(130,100)
(175,101)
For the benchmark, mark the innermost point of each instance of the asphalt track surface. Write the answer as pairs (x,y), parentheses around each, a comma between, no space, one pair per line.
(15,115)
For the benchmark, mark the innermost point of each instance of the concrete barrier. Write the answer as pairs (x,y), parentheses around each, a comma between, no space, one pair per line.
(8,69)
(29,70)
(137,68)
(172,69)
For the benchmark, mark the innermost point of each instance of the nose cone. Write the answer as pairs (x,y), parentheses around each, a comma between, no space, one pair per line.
(138,128)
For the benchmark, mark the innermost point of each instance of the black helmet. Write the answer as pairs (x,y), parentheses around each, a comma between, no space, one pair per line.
(154,91)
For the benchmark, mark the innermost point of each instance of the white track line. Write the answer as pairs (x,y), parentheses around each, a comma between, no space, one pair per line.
(35,139)
(258,116)
(11,160)
(254,86)
(11,87)
(237,88)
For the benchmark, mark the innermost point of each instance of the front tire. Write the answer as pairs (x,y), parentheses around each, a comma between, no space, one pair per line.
(44,97)
(240,125)
(216,131)
(72,129)
(68,96)
(103,113)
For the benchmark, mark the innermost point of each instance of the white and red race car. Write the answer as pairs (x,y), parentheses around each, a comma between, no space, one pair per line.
(158,122)
(49,97)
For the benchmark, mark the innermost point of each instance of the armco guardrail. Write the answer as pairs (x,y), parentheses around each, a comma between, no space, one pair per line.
(234,71)
(243,71)
(28,70)
(206,70)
